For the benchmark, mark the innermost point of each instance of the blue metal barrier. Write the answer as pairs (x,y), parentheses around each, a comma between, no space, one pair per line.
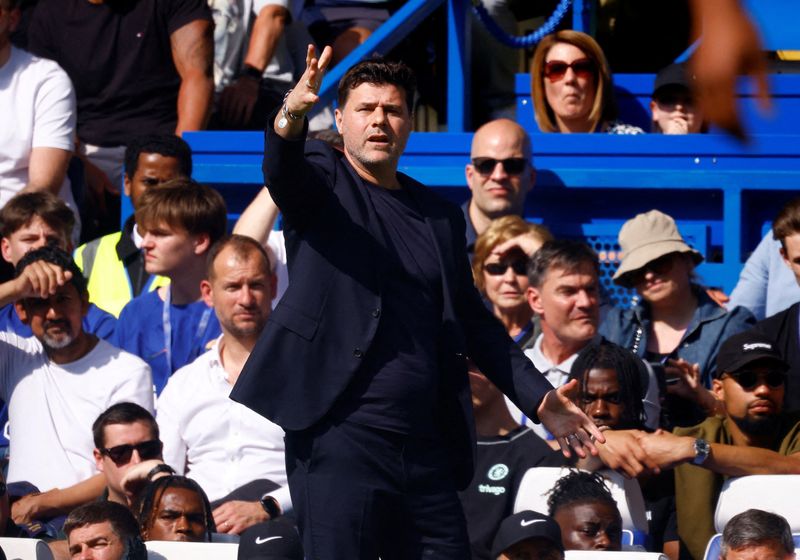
(706,181)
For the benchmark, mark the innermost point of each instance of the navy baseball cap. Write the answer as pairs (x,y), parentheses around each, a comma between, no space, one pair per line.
(272,540)
(523,526)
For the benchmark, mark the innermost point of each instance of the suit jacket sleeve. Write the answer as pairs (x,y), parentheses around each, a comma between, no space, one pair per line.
(488,343)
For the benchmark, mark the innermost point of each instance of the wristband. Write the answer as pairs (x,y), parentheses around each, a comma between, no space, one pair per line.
(251,72)
(287,115)
(162,468)
(270,506)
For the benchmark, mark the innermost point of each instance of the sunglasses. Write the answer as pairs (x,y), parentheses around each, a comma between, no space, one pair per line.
(512,166)
(520,268)
(121,454)
(662,265)
(555,70)
(749,379)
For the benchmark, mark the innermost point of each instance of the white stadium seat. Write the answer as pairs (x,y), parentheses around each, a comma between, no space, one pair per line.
(163,550)
(776,493)
(25,549)
(607,555)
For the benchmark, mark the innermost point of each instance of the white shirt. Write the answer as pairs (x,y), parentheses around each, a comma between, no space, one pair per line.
(38,111)
(277,244)
(51,407)
(218,442)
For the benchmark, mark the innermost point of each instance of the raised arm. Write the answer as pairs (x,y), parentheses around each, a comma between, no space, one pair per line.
(258,218)
(193,54)
(290,121)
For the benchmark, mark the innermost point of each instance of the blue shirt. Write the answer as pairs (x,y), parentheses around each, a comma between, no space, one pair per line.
(140,331)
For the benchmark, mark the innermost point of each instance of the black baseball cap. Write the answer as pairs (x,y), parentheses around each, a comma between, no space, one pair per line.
(672,76)
(271,540)
(523,526)
(745,348)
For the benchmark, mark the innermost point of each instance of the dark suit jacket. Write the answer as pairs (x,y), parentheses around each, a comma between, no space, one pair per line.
(783,329)
(316,337)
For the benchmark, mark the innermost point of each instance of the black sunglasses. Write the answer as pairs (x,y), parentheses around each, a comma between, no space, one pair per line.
(486,165)
(749,379)
(121,454)
(520,268)
(660,266)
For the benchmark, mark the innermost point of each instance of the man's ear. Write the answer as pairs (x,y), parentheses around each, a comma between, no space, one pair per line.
(98,459)
(718,388)
(207,292)
(19,305)
(202,242)
(469,173)
(782,250)
(5,248)
(534,297)
(337,115)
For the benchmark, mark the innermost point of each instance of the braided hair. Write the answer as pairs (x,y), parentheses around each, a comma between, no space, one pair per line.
(631,373)
(579,487)
(151,497)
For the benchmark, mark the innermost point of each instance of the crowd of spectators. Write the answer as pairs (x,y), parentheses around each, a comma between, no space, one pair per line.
(116,361)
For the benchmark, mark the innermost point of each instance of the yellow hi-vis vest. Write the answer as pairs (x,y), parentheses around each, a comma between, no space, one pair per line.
(109,284)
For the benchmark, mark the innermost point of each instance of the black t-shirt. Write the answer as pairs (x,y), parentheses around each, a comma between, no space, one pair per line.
(396,387)
(119,58)
(501,463)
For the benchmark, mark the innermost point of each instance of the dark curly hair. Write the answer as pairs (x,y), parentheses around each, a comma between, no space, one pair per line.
(378,71)
(150,497)
(579,487)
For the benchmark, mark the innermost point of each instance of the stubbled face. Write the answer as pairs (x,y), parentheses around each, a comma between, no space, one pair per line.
(756,409)
(572,97)
(590,526)
(500,193)
(568,303)
(179,516)
(600,399)
(95,542)
(169,250)
(33,235)
(57,320)
(241,291)
(151,170)
(764,551)
(675,111)
(121,434)
(375,124)
(790,251)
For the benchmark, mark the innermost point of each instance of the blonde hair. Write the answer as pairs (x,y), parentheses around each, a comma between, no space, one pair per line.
(500,231)
(603,109)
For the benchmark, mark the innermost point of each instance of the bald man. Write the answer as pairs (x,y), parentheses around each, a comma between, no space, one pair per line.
(500,174)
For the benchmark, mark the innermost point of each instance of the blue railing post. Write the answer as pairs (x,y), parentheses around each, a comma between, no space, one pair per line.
(458,66)
(582,16)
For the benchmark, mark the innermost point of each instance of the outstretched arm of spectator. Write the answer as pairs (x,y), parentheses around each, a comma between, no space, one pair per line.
(57,501)
(574,431)
(193,54)
(47,168)
(670,450)
(621,452)
(238,100)
(258,218)
(729,47)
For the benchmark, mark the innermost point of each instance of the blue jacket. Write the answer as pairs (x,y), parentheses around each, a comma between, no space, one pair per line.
(316,337)
(710,326)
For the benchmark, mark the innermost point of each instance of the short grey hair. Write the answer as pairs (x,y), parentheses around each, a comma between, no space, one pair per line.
(756,527)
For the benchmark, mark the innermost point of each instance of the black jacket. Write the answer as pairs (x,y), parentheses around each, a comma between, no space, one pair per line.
(782,328)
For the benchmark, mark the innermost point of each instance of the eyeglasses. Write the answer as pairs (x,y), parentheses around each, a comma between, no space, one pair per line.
(555,70)
(520,268)
(512,166)
(749,379)
(660,266)
(121,454)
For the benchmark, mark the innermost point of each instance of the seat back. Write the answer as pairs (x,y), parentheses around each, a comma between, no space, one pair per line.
(25,549)
(609,555)
(537,482)
(776,493)
(163,550)
(715,546)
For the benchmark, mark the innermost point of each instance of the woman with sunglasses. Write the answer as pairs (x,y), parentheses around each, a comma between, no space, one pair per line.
(499,268)
(572,87)
(676,326)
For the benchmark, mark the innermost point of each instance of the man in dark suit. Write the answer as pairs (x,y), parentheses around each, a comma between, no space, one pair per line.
(363,361)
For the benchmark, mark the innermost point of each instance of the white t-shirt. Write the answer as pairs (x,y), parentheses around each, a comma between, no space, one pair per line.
(277,244)
(38,111)
(51,407)
(214,440)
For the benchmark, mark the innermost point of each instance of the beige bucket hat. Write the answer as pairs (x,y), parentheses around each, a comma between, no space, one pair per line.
(647,237)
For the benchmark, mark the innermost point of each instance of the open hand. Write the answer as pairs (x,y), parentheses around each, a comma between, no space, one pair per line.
(40,279)
(573,430)
(304,95)
(237,515)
